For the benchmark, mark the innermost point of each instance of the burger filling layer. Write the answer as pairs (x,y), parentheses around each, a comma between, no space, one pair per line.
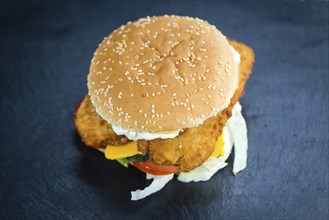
(234,133)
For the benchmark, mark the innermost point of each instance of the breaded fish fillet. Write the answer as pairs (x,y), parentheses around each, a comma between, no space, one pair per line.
(94,130)
(188,150)
(195,145)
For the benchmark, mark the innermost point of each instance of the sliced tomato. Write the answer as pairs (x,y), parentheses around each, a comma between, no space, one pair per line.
(152,168)
(243,91)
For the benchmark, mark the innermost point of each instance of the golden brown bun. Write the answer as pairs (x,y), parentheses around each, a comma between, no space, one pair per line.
(194,146)
(161,74)
(93,130)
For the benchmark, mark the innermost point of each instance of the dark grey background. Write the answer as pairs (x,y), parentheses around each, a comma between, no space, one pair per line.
(47,173)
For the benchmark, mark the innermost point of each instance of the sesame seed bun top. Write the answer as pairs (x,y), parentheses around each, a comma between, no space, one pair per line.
(162,74)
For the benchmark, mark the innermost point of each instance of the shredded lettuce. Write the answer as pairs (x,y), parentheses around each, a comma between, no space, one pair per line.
(124,162)
(157,184)
(203,173)
(238,129)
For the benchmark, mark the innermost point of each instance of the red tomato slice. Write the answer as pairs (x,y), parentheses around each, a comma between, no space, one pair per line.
(243,91)
(152,168)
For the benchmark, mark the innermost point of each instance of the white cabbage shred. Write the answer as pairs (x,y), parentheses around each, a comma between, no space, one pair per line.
(157,184)
(238,129)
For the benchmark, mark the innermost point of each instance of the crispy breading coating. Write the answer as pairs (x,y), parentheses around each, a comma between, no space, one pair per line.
(93,130)
(194,146)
